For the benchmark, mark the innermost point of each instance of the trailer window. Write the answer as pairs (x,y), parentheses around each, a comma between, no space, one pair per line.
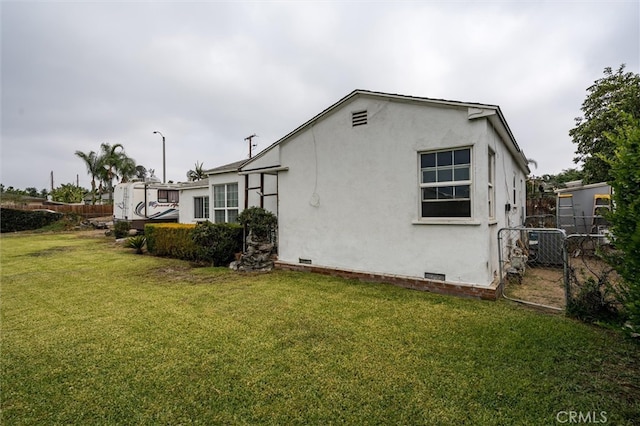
(168,196)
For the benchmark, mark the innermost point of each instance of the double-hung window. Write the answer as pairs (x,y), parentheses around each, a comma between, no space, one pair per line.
(445,183)
(201,207)
(225,203)
(491,188)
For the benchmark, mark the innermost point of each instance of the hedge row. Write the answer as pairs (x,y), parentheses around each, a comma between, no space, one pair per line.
(205,242)
(12,220)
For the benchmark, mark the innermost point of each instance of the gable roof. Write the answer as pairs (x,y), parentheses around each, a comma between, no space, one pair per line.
(476,110)
(231,167)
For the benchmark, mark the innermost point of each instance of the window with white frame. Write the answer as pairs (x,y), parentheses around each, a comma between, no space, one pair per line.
(491,186)
(225,203)
(445,183)
(201,207)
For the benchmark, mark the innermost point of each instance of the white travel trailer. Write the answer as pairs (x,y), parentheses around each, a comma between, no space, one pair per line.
(143,201)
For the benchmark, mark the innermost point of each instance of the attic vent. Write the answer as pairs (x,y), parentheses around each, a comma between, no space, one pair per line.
(359,118)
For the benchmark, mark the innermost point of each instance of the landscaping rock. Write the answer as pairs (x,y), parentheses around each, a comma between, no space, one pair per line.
(258,256)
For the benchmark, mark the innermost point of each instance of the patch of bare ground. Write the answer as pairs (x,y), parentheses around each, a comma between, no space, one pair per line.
(541,285)
(545,285)
(194,274)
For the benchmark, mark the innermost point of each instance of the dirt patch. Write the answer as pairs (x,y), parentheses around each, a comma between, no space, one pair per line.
(188,274)
(50,251)
(542,285)
(546,285)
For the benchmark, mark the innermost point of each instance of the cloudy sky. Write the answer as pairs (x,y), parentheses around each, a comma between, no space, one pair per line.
(208,74)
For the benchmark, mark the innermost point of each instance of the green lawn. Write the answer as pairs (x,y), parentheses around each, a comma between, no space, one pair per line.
(94,334)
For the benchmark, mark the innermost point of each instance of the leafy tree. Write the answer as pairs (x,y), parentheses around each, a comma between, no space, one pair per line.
(92,161)
(141,172)
(607,99)
(196,174)
(625,219)
(68,193)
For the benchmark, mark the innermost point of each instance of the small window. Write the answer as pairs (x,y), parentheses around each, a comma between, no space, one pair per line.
(225,203)
(445,183)
(201,207)
(168,196)
(491,186)
(359,118)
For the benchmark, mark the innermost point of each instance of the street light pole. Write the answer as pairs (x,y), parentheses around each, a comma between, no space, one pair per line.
(164,159)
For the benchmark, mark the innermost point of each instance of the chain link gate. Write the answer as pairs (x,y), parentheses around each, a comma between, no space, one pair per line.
(533,266)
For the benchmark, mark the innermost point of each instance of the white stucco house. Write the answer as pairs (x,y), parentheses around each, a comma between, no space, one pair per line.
(394,188)
(218,198)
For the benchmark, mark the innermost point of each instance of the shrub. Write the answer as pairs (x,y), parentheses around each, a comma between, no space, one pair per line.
(593,301)
(138,242)
(262,223)
(121,229)
(218,242)
(12,220)
(172,240)
(625,219)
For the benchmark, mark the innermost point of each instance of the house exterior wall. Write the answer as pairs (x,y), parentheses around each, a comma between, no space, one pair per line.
(187,204)
(188,193)
(351,197)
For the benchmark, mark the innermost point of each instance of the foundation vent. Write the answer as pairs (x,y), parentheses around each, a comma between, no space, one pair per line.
(359,118)
(433,276)
(304,261)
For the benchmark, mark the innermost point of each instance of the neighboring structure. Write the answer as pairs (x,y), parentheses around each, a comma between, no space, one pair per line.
(224,186)
(394,188)
(579,207)
(140,201)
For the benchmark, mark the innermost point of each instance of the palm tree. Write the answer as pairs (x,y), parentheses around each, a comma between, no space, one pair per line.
(126,168)
(92,162)
(116,164)
(108,165)
(197,174)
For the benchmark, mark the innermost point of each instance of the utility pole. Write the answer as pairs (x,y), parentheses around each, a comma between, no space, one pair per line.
(164,158)
(251,145)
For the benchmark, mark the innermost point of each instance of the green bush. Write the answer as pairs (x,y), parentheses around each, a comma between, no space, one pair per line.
(218,242)
(262,223)
(625,219)
(12,220)
(121,229)
(172,240)
(594,301)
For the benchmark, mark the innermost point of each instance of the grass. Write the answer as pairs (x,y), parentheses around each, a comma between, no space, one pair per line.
(94,334)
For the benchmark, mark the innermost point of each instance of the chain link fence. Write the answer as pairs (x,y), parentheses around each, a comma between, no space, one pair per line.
(540,221)
(548,268)
(532,265)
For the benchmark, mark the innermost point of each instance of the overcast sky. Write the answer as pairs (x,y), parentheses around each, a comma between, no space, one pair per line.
(208,74)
